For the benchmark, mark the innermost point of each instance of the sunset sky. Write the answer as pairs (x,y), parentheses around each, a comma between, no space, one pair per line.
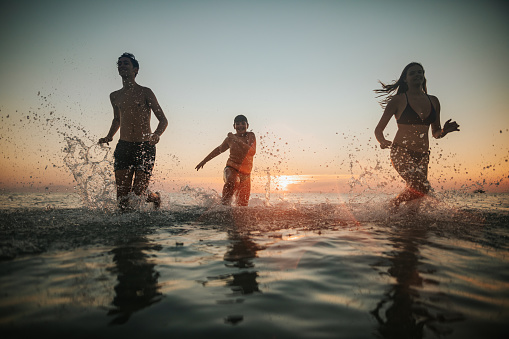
(303,72)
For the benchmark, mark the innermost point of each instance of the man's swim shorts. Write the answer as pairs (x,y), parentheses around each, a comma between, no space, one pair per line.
(139,156)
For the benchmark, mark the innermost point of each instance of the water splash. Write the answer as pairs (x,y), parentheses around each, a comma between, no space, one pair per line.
(267,189)
(272,157)
(200,196)
(91,167)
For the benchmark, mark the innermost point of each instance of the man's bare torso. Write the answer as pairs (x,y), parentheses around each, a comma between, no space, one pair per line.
(134,112)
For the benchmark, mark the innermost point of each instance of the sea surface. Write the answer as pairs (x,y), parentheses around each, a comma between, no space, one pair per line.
(287,266)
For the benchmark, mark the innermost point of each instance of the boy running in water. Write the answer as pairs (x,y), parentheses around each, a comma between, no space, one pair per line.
(237,173)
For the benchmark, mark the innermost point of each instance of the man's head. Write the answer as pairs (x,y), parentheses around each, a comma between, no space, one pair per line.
(126,59)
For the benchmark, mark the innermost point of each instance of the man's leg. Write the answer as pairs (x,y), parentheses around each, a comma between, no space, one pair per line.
(145,157)
(141,182)
(123,179)
(231,178)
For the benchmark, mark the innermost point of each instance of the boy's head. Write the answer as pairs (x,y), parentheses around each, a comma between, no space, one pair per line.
(240,118)
(132,59)
(240,124)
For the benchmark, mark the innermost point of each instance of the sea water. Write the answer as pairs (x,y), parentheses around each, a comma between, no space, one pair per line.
(296,266)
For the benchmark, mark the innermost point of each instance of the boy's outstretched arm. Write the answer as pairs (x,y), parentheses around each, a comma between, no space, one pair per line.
(215,152)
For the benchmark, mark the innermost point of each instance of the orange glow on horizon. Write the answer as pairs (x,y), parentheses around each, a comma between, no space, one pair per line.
(60,179)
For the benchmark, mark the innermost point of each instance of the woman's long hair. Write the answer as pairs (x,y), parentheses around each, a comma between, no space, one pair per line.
(399,86)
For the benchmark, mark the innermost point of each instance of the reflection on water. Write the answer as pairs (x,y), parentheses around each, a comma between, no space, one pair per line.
(306,271)
(137,286)
(403,312)
(239,258)
(240,255)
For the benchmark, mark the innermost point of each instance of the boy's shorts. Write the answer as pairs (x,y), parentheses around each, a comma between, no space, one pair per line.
(241,177)
(139,156)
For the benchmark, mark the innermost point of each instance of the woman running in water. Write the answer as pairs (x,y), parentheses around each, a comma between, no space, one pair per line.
(415,111)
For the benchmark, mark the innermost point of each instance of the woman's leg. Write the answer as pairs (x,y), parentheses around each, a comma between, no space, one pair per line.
(413,168)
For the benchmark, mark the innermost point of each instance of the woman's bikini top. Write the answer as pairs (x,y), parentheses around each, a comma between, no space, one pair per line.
(410,117)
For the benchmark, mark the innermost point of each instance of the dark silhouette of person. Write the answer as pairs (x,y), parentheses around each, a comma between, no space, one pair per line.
(406,314)
(137,286)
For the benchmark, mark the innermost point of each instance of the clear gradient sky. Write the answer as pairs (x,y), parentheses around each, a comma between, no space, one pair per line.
(303,72)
